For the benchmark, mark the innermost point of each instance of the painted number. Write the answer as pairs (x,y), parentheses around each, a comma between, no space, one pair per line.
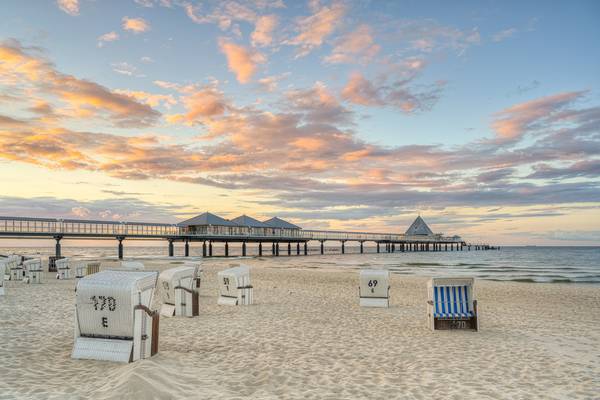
(372,284)
(102,303)
(226,283)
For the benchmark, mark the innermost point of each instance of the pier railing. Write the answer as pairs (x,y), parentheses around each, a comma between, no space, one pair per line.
(27,226)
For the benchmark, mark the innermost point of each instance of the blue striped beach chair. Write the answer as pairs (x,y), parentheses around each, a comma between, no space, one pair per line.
(452,304)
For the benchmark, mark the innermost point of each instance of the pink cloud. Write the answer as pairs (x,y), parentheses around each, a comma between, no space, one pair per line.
(356,46)
(240,60)
(71,7)
(314,29)
(135,25)
(263,32)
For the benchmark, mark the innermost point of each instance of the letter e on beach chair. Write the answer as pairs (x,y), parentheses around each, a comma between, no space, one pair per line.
(113,319)
(374,288)
(180,291)
(234,286)
(34,270)
(452,304)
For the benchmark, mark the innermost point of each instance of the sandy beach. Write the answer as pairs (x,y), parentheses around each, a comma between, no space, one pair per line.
(307,338)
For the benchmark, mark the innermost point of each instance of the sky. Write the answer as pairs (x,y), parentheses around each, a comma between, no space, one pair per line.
(483,117)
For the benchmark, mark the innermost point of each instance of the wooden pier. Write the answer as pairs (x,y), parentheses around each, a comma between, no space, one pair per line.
(297,239)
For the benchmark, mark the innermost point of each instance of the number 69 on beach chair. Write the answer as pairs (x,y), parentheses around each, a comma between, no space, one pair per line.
(180,291)
(452,304)
(113,319)
(234,287)
(374,288)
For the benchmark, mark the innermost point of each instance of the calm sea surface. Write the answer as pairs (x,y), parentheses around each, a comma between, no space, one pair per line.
(524,264)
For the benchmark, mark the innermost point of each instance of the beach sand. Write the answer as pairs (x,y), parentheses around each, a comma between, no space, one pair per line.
(307,338)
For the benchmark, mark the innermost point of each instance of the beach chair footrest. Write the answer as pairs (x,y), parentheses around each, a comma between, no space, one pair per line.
(455,323)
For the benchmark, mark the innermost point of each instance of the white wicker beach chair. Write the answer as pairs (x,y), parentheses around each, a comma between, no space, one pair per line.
(374,288)
(3,268)
(113,319)
(34,270)
(180,291)
(86,269)
(452,304)
(234,286)
(14,264)
(63,268)
(133,265)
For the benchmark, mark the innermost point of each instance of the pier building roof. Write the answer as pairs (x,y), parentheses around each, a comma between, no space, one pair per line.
(280,223)
(419,227)
(244,220)
(207,219)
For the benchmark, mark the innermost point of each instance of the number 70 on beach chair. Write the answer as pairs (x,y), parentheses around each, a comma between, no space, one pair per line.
(452,304)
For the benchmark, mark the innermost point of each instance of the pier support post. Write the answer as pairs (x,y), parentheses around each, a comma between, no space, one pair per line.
(171,250)
(260,249)
(210,248)
(378,247)
(226,249)
(277,249)
(393,247)
(289,249)
(298,248)
(57,247)
(273,249)
(451,246)
(243,249)
(343,247)
(187,248)
(305,248)
(361,248)
(204,249)
(322,248)
(120,247)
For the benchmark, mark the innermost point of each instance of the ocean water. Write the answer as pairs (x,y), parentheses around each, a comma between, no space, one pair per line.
(523,264)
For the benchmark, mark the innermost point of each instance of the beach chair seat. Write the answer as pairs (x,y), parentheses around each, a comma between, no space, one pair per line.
(133,265)
(374,288)
(180,291)
(234,287)
(113,319)
(452,304)
(34,270)
(63,268)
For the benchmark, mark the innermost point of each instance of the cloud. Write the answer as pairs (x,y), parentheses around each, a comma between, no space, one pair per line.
(579,169)
(504,34)
(241,61)
(201,105)
(314,29)
(361,91)
(107,37)
(152,99)
(71,7)
(270,83)
(263,32)
(124,68)
(356,46)
(225,13)
(79,98)
(512,123)
(135,25)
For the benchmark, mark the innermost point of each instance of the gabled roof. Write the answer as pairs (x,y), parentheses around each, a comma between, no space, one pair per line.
(279,223)
(206,219)
(419,227)
(244,220)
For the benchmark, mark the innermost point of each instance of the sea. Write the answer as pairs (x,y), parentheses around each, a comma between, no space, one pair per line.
(571,265)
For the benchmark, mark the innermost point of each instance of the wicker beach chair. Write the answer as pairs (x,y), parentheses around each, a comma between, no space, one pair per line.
(34,270)
(374,288)
(133,265)
(3,268)
(234,286)
(113,319)
(180,291)
(63,268)
(452,304)
(16,270)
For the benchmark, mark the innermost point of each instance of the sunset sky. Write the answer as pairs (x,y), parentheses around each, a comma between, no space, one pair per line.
(482,116)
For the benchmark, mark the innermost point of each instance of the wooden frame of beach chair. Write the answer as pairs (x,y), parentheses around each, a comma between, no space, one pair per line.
(113,319)
(180,291)
(452,304)
(17,272)
(63,269)
(234,287)
(374,288)
(34,270)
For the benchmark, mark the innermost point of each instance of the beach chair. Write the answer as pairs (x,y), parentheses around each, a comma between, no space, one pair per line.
(63,269)
(234,286)
(133,265)
(113,319)
(452,304)
(374,288)
(87,269)
(17,272)
(34,270)
(3,267)
(180,291)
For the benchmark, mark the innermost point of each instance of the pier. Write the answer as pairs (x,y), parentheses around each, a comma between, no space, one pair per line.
(274,237)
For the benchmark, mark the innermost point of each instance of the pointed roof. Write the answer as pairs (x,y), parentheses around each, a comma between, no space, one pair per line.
(418,227)
(280,223)
(244,220)
(206,219)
